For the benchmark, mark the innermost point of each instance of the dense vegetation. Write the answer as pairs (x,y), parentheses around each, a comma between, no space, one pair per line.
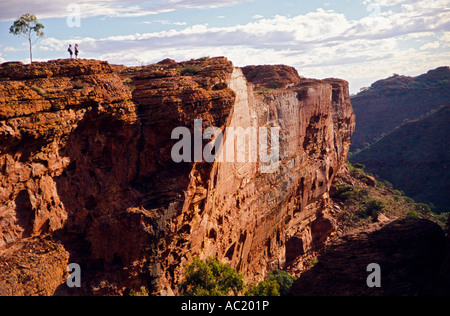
(363,203)
(211,277)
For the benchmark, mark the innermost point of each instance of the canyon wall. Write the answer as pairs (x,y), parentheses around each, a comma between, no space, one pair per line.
(87,171)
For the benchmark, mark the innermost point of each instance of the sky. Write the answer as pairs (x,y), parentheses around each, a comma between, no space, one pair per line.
(360,41)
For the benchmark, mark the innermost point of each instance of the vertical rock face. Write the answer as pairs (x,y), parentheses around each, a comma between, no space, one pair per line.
(259,222)
(88,163)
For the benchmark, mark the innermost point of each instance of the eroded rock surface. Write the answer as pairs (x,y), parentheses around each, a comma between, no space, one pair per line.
(32,267)
(85,157)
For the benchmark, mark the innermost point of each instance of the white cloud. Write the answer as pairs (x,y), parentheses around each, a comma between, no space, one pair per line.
(167,22)
(431,45)
(48,9)
(445,38)
(10,49)
(320,44)
(10,10)
(320,37)
(384,3)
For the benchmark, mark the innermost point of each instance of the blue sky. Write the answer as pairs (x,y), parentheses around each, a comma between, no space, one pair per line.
(357,40)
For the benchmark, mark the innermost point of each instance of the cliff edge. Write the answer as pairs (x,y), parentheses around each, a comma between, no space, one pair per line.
(88,175)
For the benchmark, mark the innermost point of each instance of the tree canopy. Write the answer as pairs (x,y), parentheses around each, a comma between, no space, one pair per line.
(211,278)
(27,26)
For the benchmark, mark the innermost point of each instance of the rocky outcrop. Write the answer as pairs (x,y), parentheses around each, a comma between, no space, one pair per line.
(32,267)
(409,253)
(271,76)
(41,105)
(86,159)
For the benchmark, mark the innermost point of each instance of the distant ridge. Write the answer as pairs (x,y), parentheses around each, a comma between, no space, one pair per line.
(390,102)
(415,158)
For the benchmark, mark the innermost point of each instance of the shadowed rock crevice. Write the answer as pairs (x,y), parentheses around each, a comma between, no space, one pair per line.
(24,213)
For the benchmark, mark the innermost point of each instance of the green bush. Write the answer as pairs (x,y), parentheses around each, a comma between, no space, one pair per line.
(346,193)
(211,278)
(264,91)
(412,214)
(264,288)
(190,70)
(422,207)
(409,200)
(284,280)
(374,207)
(277,283)
(313,261)
(388,184)
(276,86)
(443,220)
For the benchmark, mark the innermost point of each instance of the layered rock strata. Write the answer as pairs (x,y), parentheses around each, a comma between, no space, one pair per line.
(85,155)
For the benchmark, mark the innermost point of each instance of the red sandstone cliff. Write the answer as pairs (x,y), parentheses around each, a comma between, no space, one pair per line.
(87,175)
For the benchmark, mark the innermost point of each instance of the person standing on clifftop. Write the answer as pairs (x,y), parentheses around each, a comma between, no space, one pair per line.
(70,51)
(76,51)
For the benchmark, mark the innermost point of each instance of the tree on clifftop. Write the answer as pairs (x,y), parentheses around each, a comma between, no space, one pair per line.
(28,27)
